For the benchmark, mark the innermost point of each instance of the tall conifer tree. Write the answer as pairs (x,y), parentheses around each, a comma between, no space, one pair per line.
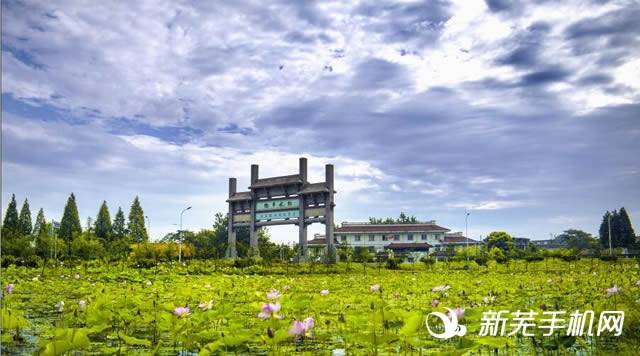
(103,226)
(25,219)
(119,230)
(136,227)
(11,223)
(70,223)
(627,235)
(40,225)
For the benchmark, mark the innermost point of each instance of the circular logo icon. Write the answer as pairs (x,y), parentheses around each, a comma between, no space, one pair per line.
(451,327)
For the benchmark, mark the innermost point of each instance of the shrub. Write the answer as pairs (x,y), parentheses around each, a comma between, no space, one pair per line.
(532,258)
(8,260)
(481,260)
(608,257)
(243,262)
(393,263)
(569,258)
(428,260)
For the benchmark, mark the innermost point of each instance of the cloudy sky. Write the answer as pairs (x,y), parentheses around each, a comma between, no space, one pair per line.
(525,112)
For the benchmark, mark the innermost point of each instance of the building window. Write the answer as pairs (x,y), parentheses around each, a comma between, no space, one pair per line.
(384,237)
(343,238)
(423,237)
(357,237)
(372,238)
(396,237)
(410,237)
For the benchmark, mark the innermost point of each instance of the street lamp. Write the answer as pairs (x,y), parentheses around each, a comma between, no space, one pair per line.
(610,248)
(148,225)
(180,236)
(466,232)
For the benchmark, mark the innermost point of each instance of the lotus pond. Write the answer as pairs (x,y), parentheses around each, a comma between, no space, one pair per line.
(205,307)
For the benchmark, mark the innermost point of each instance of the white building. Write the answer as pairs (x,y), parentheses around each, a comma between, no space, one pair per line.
(379,237)
(412,241)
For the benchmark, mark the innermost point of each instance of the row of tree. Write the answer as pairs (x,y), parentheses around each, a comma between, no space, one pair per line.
(402,219)
(22,239)
(618,223)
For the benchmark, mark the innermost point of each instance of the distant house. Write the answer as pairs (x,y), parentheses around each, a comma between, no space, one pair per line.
(521,243)
(550,244)
(318,246)
(456,240)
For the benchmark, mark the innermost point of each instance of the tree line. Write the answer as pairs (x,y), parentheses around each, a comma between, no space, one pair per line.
(29,244)
(23,241)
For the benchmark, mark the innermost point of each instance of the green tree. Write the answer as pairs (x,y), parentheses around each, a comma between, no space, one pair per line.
(625,229)
(119,230)
(619,224)
(25,219)
(41,223)
(137,230)
(578,239)
(11,223)
(87,247)
(103,228)
(70,223)
(603,232)
(501,240)
(402,219)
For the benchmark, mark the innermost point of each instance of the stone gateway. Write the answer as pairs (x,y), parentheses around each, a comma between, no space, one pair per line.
(284,200)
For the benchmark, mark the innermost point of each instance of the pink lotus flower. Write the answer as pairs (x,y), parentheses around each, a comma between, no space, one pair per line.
(9,288)
(439,289)
(181,311)
(269,310)
(273,294)
(638,283)
(459,313)
(77,276)
(301,328)
(324,292)
(613,290)
(82,305)
(435,303)
(374,288)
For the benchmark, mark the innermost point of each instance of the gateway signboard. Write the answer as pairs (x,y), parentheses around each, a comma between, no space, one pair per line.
(277,204)
(284,214)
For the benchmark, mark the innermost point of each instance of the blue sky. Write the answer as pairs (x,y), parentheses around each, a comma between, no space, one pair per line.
(525,112)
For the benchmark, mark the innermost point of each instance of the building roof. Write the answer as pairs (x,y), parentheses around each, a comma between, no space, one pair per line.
(315,188)
(390,228)
(275,181)
(321,241)
(408,246)
(458,239)
(239,196)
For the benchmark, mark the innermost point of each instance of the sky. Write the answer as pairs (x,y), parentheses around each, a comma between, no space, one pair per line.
(525,113)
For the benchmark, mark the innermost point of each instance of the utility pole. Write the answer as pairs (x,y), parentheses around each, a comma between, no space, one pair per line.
(466,233)
(610,248)
(180,234)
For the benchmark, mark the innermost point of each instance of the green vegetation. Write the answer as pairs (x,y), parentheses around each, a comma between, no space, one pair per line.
(212,307)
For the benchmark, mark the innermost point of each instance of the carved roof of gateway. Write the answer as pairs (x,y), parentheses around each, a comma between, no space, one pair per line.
(276,181)
(240,196)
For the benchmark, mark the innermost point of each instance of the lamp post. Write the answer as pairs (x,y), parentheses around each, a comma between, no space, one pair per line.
(609,223)
(466,232)
(148,225)
(180,236)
